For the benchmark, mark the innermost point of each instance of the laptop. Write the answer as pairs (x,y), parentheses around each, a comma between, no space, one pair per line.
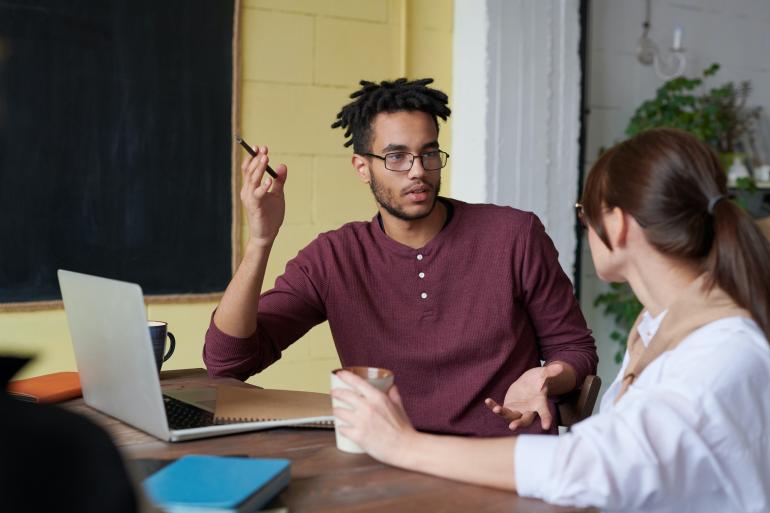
(108,326)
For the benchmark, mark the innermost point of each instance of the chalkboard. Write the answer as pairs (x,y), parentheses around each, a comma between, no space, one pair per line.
(115,144)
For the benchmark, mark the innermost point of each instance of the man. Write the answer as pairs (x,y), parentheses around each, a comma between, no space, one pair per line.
(461,301)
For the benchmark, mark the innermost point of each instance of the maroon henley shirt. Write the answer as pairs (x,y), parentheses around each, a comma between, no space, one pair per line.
(457,320)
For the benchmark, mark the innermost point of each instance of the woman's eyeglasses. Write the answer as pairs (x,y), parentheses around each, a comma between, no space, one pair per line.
(580,216)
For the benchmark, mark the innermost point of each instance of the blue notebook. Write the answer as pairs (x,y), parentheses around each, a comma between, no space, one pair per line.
(214,484)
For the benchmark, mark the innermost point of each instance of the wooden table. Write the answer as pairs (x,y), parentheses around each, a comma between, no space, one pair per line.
(324,479)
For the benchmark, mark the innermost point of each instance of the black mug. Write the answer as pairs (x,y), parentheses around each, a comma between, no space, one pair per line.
(158,332)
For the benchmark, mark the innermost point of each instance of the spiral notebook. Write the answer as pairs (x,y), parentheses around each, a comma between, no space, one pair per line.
(242,404)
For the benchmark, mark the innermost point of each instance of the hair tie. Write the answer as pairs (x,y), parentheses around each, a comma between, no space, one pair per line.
(713,200)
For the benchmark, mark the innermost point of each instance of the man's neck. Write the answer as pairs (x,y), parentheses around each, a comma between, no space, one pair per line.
(414,233)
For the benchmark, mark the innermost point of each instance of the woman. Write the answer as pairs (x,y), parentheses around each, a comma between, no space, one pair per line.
(686,424)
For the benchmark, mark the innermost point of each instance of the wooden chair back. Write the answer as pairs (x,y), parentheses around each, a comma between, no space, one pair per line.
(581,404)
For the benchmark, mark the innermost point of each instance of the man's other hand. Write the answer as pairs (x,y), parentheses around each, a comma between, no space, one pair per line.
(527,397)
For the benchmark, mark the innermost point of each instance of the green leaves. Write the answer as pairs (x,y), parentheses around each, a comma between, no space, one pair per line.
(717,117)
(621,304)
(711,70)
(747,184)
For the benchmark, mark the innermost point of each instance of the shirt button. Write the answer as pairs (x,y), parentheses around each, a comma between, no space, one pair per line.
(421,275)
(419,257)
(424,295)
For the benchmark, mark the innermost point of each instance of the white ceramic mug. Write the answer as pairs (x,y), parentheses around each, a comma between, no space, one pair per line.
(382,379)
(762,173)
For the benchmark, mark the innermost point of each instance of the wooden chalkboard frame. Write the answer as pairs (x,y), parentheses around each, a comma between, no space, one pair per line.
(235,183)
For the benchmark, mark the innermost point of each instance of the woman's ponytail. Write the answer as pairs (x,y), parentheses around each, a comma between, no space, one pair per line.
(739,261)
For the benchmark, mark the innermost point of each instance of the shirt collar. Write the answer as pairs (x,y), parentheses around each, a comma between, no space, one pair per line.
(649,325)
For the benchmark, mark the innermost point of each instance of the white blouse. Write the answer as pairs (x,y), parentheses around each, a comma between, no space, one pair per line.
(691,434)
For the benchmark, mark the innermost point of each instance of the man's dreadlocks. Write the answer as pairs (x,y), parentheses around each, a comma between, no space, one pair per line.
(356,117)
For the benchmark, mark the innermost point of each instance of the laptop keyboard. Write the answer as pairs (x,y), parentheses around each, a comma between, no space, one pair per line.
(182,415)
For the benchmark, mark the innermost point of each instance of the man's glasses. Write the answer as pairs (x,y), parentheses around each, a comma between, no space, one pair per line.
(402,161)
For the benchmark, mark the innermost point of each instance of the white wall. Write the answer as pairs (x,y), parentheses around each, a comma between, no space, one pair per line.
(734,33)
(516,89)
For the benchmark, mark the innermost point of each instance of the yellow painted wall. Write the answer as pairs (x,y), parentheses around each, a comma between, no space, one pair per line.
(300,61)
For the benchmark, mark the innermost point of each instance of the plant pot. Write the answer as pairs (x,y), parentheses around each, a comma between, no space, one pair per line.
(728,158)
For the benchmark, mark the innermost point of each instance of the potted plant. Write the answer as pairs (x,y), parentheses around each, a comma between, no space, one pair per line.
(720,118)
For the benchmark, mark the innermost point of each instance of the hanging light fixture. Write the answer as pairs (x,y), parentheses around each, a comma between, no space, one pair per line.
(667,65)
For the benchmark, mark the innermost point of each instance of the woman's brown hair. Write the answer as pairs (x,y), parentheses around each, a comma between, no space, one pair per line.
(671,183)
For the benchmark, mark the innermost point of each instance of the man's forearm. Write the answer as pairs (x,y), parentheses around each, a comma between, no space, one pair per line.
(236,314)
(564,382)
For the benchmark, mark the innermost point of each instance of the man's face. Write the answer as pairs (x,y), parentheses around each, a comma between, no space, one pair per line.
(407,195)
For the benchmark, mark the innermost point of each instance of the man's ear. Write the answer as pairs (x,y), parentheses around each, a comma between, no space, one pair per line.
(616,223)
(361,165)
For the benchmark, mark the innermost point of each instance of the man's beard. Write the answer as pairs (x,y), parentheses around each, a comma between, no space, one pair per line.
(385,199)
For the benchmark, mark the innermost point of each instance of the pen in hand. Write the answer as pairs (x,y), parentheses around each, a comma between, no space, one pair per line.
(254,154)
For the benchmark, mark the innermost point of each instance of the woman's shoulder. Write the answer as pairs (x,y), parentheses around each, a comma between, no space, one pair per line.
(729,336)
(723,352)
(722,366)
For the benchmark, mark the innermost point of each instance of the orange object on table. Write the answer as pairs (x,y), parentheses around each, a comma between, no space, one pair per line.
(48,388)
